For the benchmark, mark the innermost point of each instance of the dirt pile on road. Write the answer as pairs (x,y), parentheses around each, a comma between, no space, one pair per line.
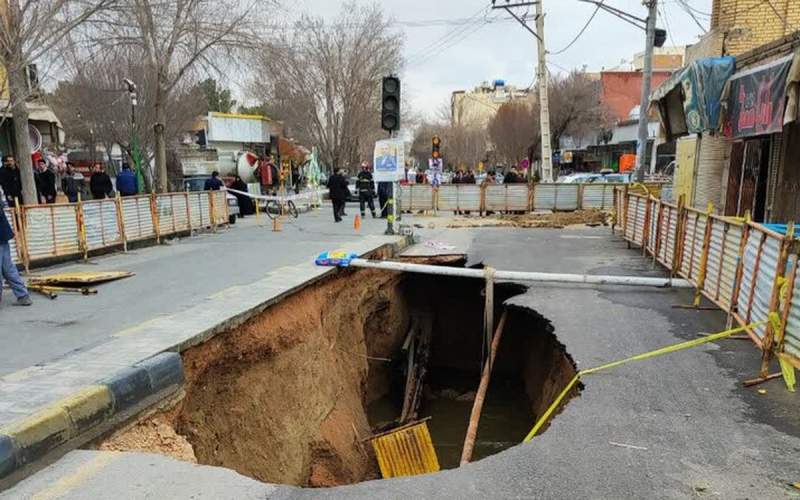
(536,220)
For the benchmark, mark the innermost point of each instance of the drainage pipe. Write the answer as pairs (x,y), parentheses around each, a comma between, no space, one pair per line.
(520,275)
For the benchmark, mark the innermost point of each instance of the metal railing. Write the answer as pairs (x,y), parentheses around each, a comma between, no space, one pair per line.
(749,270)
(45,232)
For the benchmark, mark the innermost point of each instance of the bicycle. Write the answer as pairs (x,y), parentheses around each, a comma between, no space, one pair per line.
(276,208)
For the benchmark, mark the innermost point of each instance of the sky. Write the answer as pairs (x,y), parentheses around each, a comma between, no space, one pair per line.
(441,58)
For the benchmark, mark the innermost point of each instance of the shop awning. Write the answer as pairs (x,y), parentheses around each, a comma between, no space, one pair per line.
(689,101)
(754,100)
(36,112)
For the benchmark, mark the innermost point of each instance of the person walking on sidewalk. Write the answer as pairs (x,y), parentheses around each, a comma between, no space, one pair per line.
(337,186)
(366,190)
(8,271)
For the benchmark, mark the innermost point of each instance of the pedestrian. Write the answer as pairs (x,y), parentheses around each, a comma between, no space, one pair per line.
(45,181)
(8,270)
(213,183)
(511,177)
(337,187)
(127,184)
(264,174)
(10,180)
(246,206)
(72,183)
(366,190)
(100,183)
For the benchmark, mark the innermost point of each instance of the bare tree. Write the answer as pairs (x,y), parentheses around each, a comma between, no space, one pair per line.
(94,107)
(33,30)
(575,110)
(174,39)
(463,144)
(512,131)
(323,80)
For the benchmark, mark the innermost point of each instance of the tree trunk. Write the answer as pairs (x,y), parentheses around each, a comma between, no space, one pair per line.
(161,143)
(18,90)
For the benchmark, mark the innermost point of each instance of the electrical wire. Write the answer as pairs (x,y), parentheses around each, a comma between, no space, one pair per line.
(686,8)
(451,38)
(581,32)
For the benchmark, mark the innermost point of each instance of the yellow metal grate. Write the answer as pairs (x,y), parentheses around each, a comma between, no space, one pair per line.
(406,451)
(82,278)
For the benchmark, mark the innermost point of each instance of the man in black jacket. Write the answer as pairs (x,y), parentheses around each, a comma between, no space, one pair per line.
(45,182)
(366,190)
(100,183)
(337,187)
(10,180)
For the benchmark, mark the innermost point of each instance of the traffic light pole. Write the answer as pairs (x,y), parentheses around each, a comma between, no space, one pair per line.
(647,75)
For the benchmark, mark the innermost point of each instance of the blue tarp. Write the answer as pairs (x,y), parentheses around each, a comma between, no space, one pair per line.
(702,84)
(779,228)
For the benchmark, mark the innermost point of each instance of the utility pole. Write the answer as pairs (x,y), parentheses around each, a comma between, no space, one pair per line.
(544,100)
(541,78)
(647,75)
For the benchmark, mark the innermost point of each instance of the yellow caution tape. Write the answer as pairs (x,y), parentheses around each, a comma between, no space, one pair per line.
(639,357)
(788,374)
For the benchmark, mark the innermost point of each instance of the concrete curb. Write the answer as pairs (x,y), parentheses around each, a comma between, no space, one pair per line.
(32,438)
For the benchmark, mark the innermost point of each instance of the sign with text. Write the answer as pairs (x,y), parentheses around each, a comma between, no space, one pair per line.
(756,101)
(389,160)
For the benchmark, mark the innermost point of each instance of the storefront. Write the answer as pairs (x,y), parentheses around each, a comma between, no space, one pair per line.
(754,106)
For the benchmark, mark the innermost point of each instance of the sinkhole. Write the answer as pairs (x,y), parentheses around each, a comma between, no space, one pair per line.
(292,395)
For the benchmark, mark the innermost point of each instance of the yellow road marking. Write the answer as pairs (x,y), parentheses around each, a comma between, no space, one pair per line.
(84,472)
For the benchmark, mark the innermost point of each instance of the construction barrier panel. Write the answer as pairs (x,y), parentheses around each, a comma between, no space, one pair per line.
(506,198)
(598,196)
(743,267)
(58,230)
(460,197)
(556,196)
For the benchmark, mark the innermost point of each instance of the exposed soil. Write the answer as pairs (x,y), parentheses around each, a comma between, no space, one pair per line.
(283,397)
(537,220)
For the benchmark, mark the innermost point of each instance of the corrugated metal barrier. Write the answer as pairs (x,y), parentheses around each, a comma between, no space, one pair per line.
(556,196)
(507,197)
(51,231)
(739,265)
(598,196)
(459,197)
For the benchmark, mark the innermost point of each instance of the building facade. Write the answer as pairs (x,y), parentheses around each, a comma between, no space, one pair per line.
(479,106)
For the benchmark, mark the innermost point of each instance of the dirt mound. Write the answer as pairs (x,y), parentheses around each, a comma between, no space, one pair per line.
(536,220)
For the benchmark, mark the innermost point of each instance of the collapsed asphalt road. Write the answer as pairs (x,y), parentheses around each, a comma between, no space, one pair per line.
(677,426)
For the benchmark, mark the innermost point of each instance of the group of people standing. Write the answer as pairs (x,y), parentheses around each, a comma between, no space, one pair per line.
(365,185)
(73,183)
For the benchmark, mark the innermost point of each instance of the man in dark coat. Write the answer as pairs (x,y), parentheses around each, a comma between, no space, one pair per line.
(337,187)
(45,182)
(100,184)
(213,184)
(246,206)
(8,271)
(10,180)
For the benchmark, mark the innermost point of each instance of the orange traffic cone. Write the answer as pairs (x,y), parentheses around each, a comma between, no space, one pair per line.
(357,223)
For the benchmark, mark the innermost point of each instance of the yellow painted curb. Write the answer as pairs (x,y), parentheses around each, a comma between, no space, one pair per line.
(88,407)
(40,432)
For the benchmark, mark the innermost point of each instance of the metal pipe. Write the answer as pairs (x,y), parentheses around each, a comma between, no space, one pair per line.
(520,275)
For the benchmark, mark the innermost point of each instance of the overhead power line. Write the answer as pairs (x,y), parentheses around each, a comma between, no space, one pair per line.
(581,32)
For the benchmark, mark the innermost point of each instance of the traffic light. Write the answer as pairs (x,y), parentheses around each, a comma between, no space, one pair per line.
(661,37)
(390,104)
(436,144)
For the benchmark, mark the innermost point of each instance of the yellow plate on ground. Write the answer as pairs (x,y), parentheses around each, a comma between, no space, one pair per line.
(82,278)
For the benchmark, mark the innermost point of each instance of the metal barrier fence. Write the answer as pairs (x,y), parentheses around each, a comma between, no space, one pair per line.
(747,269)
(514,197)
(51,231)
